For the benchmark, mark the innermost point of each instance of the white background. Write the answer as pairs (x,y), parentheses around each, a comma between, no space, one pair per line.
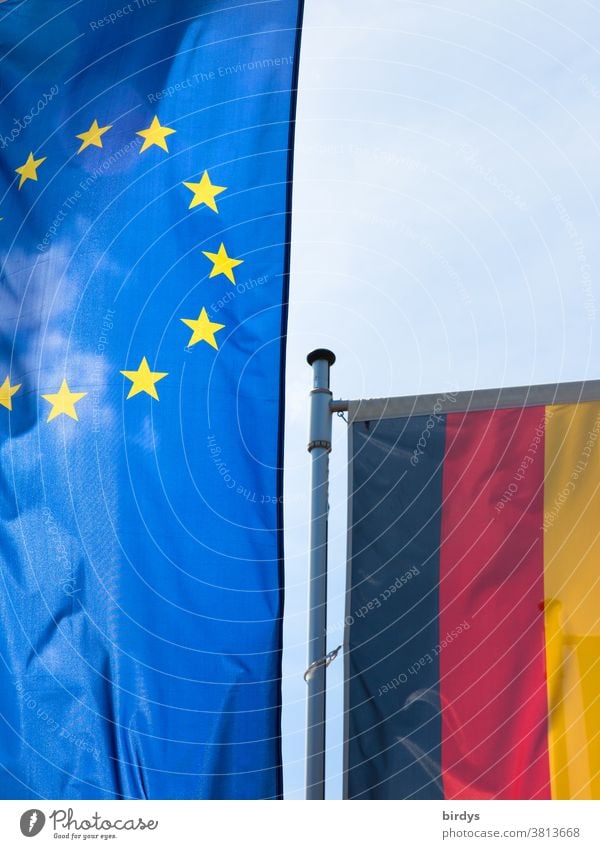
(229,825)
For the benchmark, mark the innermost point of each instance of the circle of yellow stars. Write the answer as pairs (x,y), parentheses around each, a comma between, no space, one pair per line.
(204,193)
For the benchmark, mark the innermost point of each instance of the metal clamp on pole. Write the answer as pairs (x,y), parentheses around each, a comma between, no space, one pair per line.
(319,446)
(324,661)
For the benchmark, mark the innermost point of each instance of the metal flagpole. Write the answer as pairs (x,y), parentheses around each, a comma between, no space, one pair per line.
(319,447)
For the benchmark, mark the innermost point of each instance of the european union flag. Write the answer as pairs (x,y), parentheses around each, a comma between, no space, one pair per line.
(145,205)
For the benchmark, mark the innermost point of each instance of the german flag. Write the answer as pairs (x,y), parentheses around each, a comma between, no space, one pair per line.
(473,612)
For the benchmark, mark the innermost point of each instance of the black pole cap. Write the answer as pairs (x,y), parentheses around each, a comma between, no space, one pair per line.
(321,354)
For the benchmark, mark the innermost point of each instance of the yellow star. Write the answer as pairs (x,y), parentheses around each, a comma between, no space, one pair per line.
(155,134)
(63,402)
(143,380)
(222,264)
(204,329)
(6,393)
(29,170)
(93,136)
(204,192)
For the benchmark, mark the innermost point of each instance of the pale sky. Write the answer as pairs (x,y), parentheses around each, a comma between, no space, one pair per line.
(446,236)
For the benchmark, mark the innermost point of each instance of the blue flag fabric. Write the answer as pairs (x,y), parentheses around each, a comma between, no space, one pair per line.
(145,170)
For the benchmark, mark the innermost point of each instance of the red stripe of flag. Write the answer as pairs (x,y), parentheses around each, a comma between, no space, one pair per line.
(493,671)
